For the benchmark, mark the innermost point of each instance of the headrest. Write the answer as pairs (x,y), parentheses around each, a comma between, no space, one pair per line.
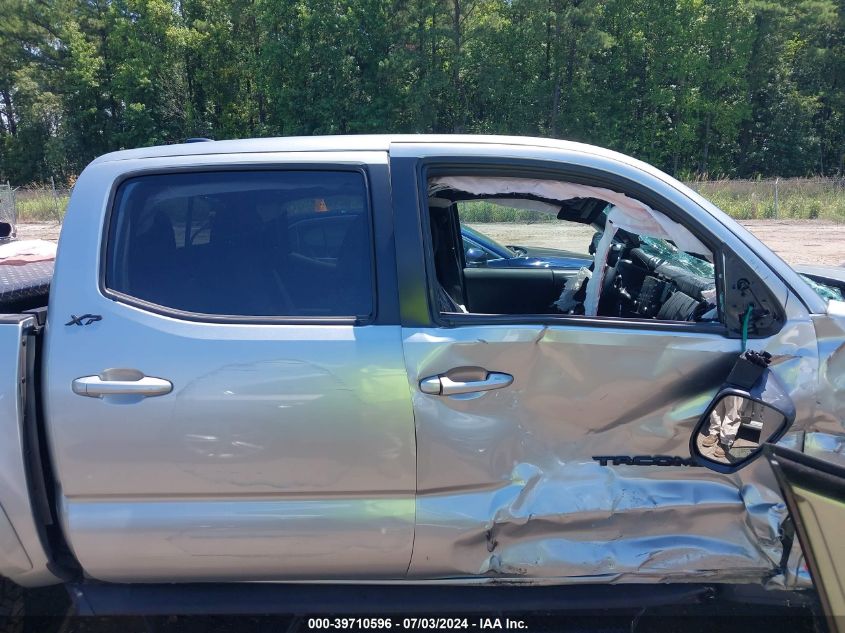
(157,233)
(232,225)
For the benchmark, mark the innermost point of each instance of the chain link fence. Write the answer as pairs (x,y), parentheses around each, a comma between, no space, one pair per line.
(45,203)
(8,214)
(778,198)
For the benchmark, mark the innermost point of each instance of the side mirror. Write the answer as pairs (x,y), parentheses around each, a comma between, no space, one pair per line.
(739,422)
(475,257)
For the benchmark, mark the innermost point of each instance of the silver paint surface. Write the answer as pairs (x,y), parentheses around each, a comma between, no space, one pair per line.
(507,484)
(22,555)
(13,558)
(283,451)
(243,539)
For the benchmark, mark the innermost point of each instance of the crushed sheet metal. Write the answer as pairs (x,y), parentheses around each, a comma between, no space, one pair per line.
(796,573)
(584,519)
(830,331)
(507,484)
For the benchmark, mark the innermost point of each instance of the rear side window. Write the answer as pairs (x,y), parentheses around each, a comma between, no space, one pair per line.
(263,243)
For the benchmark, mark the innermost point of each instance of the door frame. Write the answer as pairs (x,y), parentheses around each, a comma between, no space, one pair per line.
(817,476)
(419,307)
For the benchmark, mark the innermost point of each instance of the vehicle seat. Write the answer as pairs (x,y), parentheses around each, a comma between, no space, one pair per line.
(241,264)
(446,262)
(152,260)
(354,270)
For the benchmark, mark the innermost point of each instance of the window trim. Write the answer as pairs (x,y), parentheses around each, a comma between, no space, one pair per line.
(201,317)
(530,168)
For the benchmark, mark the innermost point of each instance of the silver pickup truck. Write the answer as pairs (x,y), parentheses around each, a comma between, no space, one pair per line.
(268,363)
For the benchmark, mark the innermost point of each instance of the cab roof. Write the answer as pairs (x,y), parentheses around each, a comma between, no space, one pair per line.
(362,142)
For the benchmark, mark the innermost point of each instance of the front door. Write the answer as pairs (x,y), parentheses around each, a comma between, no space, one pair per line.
(814,491)
(240,410)
(553,413)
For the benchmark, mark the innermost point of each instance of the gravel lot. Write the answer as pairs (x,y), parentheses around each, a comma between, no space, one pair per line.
(797,241)
(39,231)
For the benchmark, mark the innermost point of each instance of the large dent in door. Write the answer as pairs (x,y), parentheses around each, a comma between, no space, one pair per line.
(583,519)
(509,489)
(828,429)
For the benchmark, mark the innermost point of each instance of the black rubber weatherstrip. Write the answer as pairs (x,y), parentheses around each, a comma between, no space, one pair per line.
(283,598)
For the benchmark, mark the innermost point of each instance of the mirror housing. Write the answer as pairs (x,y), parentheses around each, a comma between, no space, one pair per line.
(739,422)
(475,257)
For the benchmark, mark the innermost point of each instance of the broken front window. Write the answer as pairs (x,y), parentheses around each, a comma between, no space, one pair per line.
(549,247)
(825,291)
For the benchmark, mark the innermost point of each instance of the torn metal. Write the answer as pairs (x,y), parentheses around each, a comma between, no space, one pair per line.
(509,483)
(508,487)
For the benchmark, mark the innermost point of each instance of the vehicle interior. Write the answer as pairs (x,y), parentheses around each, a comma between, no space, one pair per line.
(643,273)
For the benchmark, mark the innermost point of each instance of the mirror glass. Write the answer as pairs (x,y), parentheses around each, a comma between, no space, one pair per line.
(735,428)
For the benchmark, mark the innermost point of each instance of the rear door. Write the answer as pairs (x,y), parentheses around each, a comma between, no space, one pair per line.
(555,445)
(236,406)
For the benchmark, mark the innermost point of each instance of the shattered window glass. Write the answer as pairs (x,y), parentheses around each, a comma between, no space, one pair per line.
(823,290)
(664,250)
(661,248)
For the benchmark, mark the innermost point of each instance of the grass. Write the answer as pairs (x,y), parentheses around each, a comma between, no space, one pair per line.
(482,211)
(39,205)
(797,199)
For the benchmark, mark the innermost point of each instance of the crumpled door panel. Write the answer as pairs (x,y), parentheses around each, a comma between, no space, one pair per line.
(511,484)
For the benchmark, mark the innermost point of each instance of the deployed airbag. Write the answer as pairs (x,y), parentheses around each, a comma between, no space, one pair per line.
(644,221)
(627,213)
(546,189)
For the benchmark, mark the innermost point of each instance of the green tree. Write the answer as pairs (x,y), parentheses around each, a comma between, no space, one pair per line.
(718,87)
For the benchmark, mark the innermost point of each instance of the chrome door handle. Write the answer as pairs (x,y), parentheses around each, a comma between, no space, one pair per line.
(444,386)
(97,387)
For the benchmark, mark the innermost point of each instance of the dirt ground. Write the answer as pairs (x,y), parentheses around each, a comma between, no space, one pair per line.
(797,241)
(39,231)
(802,241)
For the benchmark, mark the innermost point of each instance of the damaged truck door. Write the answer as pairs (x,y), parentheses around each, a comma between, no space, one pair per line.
(567,450)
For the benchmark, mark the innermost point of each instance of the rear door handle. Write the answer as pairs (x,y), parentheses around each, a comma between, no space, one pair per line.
(442,385)
(121,383)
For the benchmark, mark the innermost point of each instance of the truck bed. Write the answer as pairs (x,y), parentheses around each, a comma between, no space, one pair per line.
(24,286)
